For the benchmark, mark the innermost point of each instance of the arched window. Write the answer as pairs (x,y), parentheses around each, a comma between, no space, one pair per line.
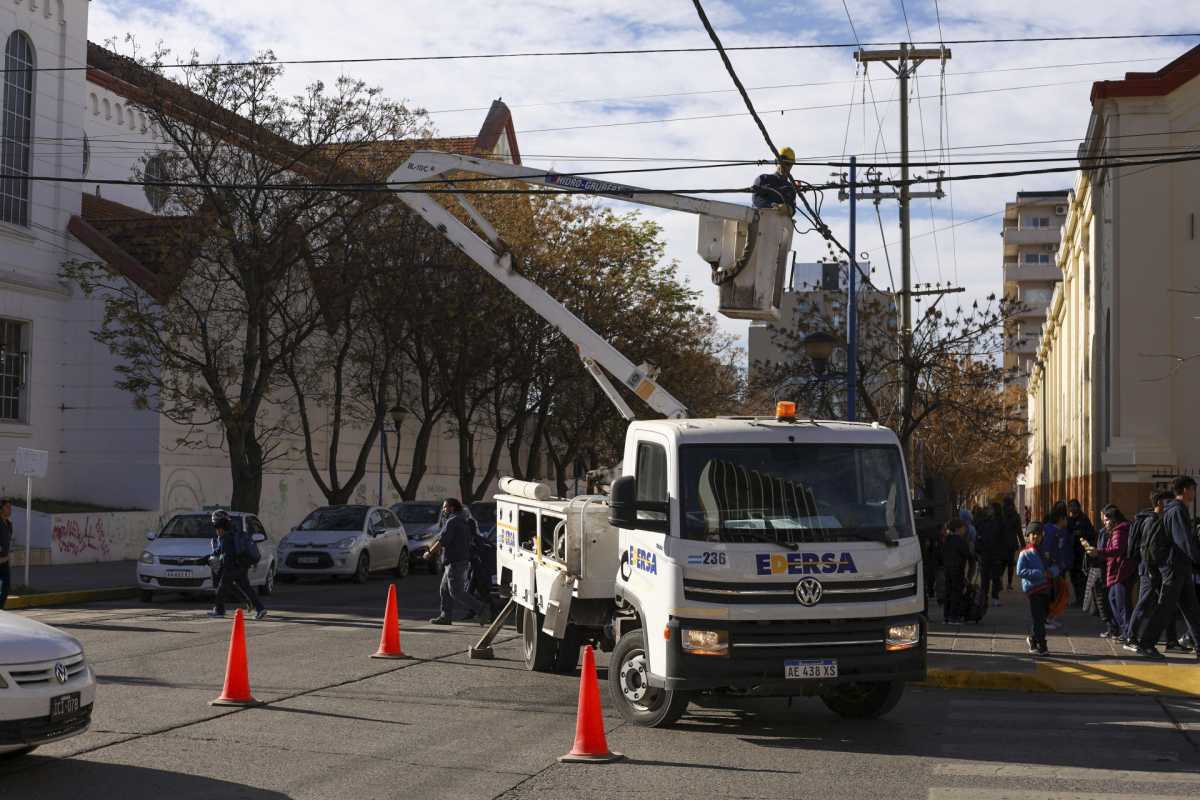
(154,173)
(16,128)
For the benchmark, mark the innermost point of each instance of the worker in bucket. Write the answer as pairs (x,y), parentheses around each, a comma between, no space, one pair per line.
(777,188)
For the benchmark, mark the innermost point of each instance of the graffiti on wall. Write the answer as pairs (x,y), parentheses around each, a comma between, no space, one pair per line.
(70,538)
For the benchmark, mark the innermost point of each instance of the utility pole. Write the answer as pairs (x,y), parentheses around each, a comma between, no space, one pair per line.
(907,59)
(852,314)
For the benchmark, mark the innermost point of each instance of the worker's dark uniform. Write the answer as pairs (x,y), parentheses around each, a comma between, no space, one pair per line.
(773,189)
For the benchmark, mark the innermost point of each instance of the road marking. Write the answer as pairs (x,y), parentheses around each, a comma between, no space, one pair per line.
(1038,771)
(1072,721)
(971,793)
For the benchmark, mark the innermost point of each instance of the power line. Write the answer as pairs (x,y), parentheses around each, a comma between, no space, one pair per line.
(637,51)
(824,107)
(712,34)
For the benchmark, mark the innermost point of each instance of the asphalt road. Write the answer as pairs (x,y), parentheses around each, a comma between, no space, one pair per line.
(341,725)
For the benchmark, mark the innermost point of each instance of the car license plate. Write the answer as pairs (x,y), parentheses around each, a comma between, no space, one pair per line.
(179,573)
(64,706)
(307,560)
(810,670)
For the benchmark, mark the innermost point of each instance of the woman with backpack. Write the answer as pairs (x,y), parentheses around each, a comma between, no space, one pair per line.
(1118,570)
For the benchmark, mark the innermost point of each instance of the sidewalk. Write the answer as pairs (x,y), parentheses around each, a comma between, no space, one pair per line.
(74,583)
(994,655)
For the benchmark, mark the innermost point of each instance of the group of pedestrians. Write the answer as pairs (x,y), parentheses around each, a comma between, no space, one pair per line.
(1137,576)
(971,557)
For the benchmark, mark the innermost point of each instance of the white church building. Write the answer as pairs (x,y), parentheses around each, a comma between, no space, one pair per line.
(68,126)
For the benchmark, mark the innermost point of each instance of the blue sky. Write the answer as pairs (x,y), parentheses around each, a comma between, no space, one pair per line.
(972,113)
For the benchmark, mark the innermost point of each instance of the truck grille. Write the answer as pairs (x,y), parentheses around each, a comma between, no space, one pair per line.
(784,593)
(831,636)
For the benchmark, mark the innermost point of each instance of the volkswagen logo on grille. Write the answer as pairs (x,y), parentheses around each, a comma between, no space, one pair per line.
(808,592)
(60,672)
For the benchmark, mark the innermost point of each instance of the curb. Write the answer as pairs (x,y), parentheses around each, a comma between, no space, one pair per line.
(69,598)
(1077,678)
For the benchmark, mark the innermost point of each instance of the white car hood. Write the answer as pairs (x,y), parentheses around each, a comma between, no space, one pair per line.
(23,641)
(305,538)
(179,547)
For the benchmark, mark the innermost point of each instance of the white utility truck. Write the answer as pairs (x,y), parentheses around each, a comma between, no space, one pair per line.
(764,556)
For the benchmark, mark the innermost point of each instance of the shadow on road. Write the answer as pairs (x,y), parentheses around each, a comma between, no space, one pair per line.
(20,779)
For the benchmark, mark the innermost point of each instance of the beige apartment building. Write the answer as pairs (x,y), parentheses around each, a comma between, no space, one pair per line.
(1114,395)
(1032,226)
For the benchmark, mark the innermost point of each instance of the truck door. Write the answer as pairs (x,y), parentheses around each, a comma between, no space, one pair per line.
(643,552)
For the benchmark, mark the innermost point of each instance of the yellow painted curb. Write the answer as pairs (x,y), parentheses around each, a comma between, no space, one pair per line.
(1075,677)
(68,598)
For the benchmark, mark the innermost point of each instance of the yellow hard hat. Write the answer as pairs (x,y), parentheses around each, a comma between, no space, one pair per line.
(788,155)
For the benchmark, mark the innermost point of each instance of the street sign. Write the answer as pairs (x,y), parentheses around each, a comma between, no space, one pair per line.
(31,463)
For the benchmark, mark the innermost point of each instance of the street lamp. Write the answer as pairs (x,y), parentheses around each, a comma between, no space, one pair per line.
(397,413)
(819,347)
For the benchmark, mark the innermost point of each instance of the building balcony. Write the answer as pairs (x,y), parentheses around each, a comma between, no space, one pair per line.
(1016,237)
(1033,312)
(1020,273)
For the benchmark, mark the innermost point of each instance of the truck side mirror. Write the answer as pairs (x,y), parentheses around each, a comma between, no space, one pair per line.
(622,502)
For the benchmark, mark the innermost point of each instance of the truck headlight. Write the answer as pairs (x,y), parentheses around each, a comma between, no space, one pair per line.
(147,557)
(902,637)
(705,643)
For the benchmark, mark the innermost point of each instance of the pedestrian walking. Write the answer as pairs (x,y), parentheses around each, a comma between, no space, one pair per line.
(6,536)
(1012,537)
(1149,579)
(455,545)
(969,534)
(956,554)
(1119,570)
(233,557)
(991,551)
(1058,551)
(1036,582)
(1174,559)
(1079,526)
(1095,592)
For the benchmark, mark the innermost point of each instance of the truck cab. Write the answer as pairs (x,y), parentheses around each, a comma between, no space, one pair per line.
(749,556)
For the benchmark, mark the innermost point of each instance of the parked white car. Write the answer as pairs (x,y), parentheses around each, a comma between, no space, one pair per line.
(176,558)
(47,688)
(351,541)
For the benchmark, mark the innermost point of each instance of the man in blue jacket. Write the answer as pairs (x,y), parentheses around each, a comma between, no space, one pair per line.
(234,566)
(1177,592)
(455,543)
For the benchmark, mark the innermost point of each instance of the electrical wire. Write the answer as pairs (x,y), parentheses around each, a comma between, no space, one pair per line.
(636,51)
(628,99)
(783,110)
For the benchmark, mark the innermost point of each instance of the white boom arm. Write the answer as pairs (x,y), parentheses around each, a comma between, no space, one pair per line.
(495,258)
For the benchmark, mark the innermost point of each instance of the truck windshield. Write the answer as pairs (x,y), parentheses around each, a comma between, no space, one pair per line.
(793,493)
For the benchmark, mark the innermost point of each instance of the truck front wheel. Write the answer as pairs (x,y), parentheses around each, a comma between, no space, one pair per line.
(540,649)
(629,686)
(864,700)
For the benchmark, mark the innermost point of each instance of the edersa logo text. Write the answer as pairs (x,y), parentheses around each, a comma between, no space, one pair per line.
(804,563)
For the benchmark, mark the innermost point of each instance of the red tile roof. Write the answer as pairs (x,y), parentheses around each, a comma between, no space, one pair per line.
(149,250)
(1151,84)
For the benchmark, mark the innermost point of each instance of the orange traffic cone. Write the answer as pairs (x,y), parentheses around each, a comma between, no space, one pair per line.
(237,674)
(590,745)
(389,639)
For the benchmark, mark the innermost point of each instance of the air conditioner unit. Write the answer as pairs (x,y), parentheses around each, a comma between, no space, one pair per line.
(1060,210)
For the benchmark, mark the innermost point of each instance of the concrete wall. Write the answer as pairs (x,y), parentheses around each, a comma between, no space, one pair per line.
(84,538)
